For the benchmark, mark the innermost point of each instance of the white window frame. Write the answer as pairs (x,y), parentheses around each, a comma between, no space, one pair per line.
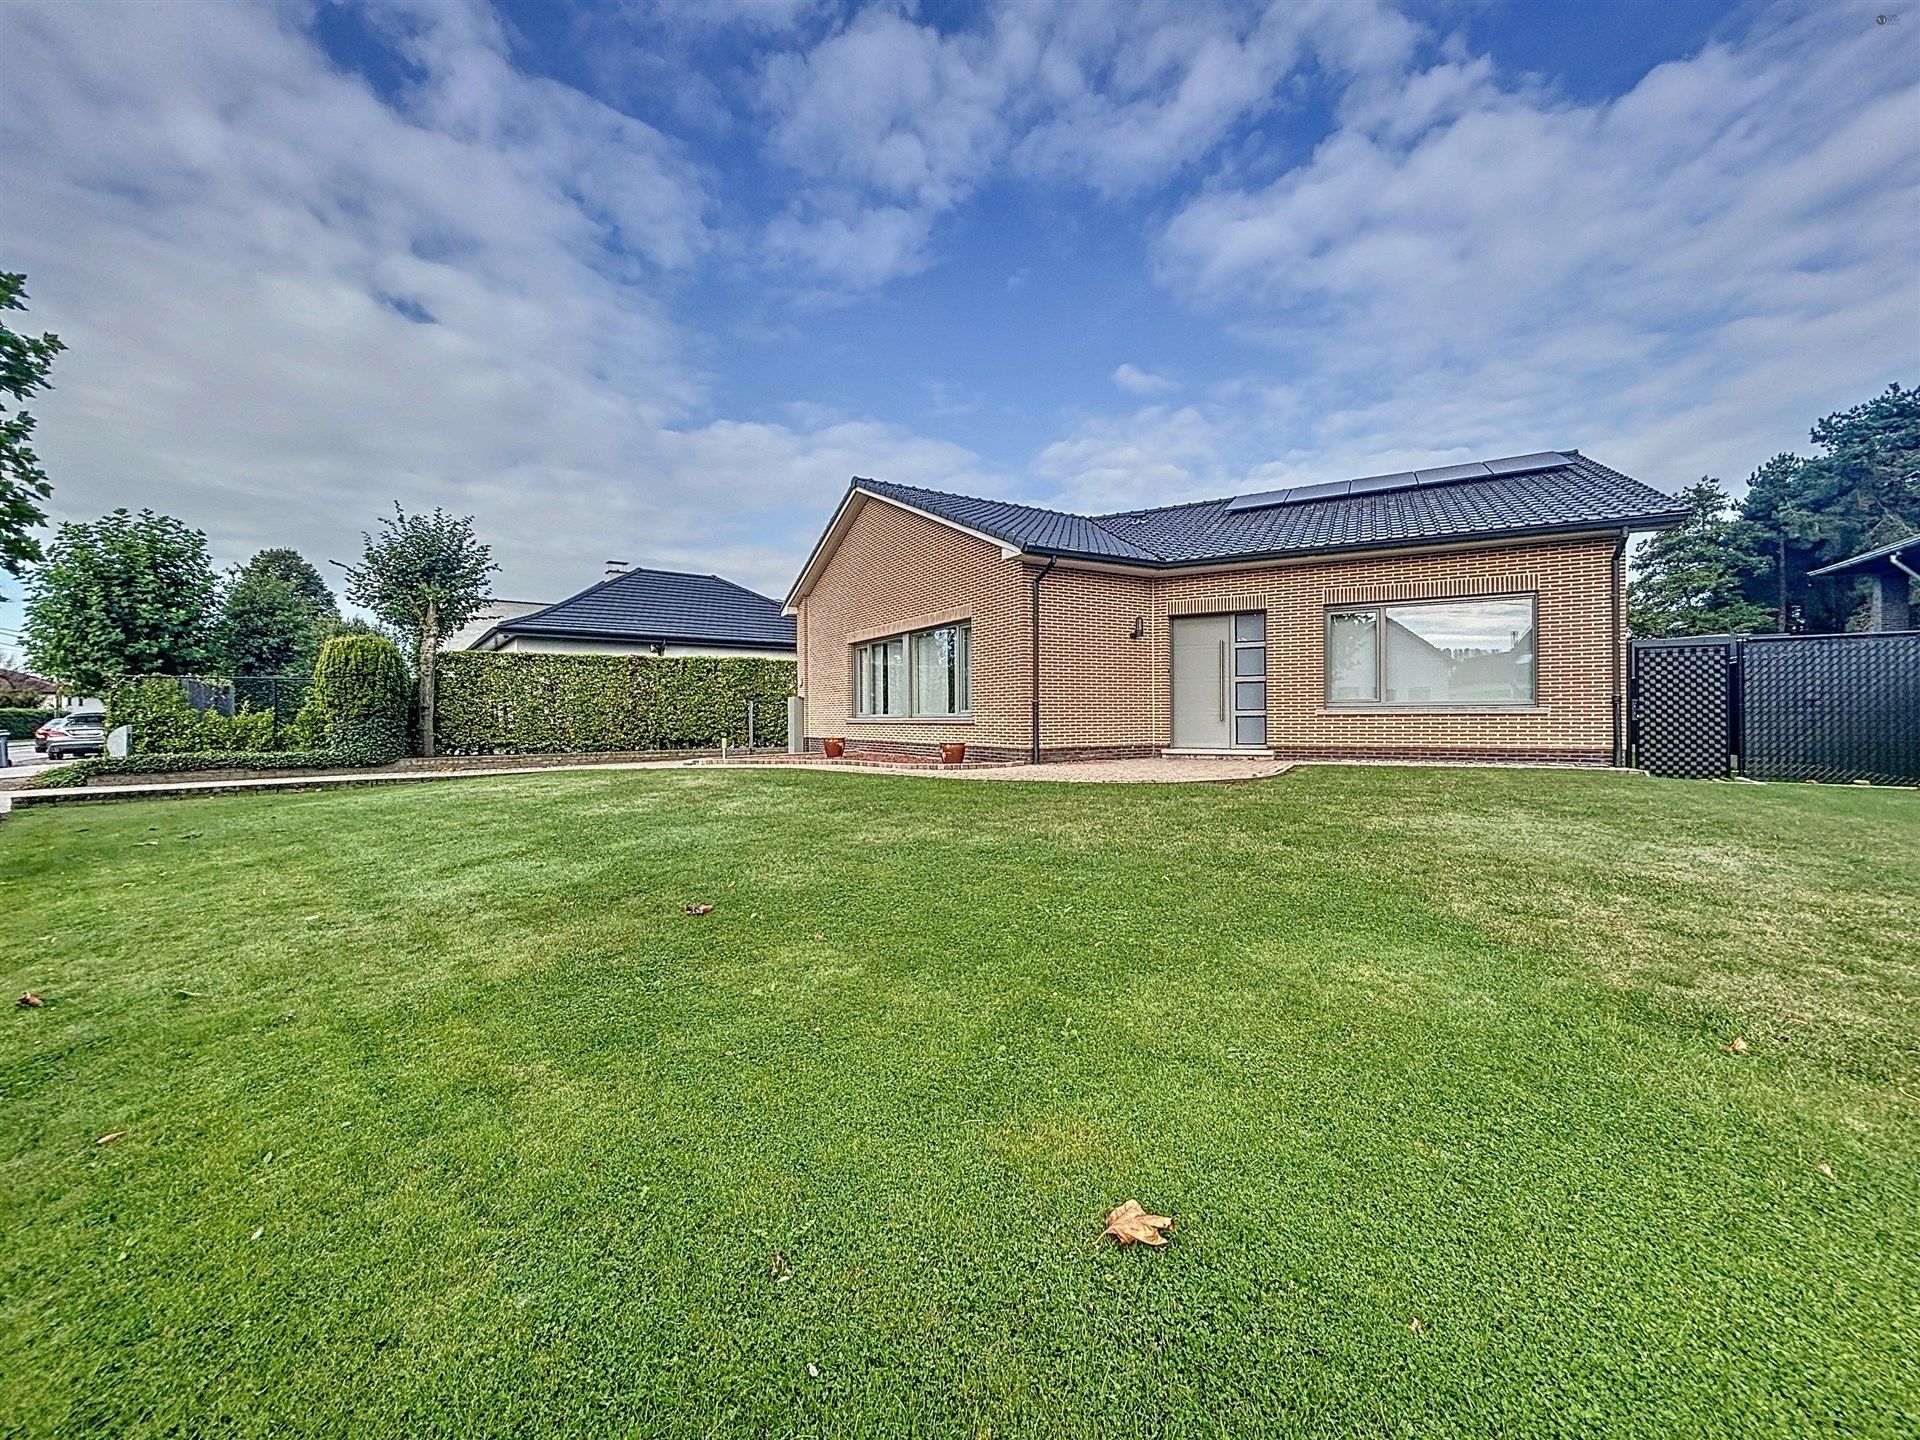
(1378,609)
(905,639)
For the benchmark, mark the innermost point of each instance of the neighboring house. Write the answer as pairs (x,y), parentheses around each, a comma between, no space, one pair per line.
(27,683)
(1468,612)
(651,612)
(469,635)
(1893,569)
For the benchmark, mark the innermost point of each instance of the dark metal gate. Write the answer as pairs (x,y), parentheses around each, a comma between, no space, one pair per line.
(1778,707)
(1683,697)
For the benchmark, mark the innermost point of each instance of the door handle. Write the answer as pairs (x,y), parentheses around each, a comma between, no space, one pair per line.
(1223,681)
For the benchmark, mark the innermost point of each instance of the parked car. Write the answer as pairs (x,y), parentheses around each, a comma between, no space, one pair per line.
(72,736)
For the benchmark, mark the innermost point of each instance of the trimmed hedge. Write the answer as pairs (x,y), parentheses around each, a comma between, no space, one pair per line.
(519,704)
(20,723)
(359,698)
(107,767)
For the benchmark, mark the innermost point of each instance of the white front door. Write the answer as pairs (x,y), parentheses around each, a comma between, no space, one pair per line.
(1219,682)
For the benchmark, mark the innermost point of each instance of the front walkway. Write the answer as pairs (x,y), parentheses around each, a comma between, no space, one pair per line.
(1158,770)
(1161,771)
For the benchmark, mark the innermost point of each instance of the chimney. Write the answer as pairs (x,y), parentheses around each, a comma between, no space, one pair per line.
(616,568)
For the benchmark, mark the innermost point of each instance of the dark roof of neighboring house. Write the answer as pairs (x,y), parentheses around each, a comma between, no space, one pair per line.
(1912,542)
(26,680)
(1537,494)
(649,606)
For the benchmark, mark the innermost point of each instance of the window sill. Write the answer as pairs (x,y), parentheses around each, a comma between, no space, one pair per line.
(1437,710)
(909,719)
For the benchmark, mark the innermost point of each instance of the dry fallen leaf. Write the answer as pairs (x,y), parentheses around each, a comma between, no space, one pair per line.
(1129,1223)
(782,1271)
(1416,1327)
(698,909)
(30,1001)
(1825,1169)
(110,1138)
(1736,1046)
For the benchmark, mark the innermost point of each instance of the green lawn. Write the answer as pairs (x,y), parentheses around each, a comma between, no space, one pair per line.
(442,1119)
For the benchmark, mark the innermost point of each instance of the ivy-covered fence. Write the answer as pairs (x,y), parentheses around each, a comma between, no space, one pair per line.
(520,704)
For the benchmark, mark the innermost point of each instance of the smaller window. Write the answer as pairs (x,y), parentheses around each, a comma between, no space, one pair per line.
(1250,730)
(1251,628)
(1250,695)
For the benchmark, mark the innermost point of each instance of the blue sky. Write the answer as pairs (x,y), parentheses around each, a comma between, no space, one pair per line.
(651,282)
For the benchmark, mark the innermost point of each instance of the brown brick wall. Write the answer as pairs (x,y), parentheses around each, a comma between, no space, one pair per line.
(1103,691)
(896,571)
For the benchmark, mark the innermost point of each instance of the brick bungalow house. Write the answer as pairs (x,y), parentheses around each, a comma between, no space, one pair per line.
(1470,612)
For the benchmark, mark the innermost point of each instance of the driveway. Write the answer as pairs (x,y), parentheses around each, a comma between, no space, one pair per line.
(26,764)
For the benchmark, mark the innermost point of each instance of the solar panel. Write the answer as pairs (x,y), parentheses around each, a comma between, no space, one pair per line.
(1399,480)
(1325,490)
(1472,470)
(1367,484)
(1527,464)
(1259,501)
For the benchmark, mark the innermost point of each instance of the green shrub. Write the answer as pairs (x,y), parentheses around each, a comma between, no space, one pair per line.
(164,721)
(107,767)
(19,699)
(20,721)
(505,704)
(355,716)
(306,730)
(360,697)
(159,713)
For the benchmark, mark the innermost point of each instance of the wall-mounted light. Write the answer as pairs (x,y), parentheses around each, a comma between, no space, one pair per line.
(658,648)
(1139,628)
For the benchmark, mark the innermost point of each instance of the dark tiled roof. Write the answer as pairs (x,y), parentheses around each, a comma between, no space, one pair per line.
(645,606)
(1563,493)
(1037,531)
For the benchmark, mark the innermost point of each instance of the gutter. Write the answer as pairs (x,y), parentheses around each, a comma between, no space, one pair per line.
(1038,576)
(1382,546)
(1618,573)
(628,637)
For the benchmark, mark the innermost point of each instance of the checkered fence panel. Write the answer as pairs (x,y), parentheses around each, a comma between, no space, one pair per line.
(1832,707)
(1683,726)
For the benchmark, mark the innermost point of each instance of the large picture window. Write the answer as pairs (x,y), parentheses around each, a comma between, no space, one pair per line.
(925,674)
(1434,652)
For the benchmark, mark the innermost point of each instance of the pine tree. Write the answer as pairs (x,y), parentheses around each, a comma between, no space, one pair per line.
(1687,580)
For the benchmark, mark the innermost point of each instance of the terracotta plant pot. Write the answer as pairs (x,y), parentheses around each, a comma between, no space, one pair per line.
(834,748)
(953,754)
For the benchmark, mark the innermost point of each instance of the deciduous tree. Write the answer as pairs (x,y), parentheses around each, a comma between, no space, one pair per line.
(426,575)
(120,596)
(275,612)
(24,364)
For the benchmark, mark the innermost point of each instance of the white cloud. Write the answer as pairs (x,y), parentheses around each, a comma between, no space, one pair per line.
(1135,381)
(855,249)
(1692,271)
(910,119)
(288,303)
(1156,92)
(1156,456)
